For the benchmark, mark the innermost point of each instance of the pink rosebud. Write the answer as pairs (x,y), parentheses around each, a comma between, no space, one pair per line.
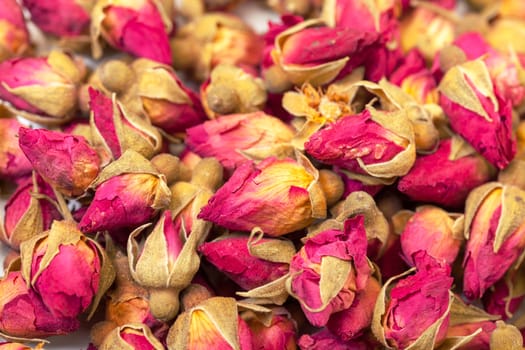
(66,162)
(323,340)
(342,253)
(435,231)
(138,27)
(279,196)
(381,148)
(233,139)
(42,89)
(280,333)
(23,313)
(63,18)
(134,336)
(495,237)
(14,37)
(13,162)
(478,112)
(233,256)
(446,176)
(350,323)
(26,215)
(417,306)
(129,191)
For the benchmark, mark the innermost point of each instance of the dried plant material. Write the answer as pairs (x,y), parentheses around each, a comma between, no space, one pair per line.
(506,336)
(13,162)
(279,332)
(131,336)
(14,37)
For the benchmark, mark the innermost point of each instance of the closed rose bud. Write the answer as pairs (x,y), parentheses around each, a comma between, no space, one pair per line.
(416,310)
(138,27)
(128,193)
(350,323)
(116,130)
(133,336)
(233,139)
(323,339)
(280,332)
(25,214)
(446,176)
(66,162)
(435,231)
(339,253)
(495,237)
(13,162)
(212,39)
(69,271)
(249,262)
(213,324)
(279,196)
(477,112)
(167,102)
(69,18)
(422,86)
(14,37)
(384,148)
(41,89)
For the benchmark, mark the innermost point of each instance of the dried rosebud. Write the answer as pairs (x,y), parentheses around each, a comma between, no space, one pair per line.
(506,336)
(213,324)
(329,270)
(446,176)
(27,215)
(231,89)
(323,339)
(14,37)
(279,196)
(117,131)
(350,323)
(233,139)
(41,89)
(435,231)
(416,310)
(212,39)
(68,270)
(66,162)
(18,346)
(477,112)
(13,162)
(69,18)
(130,191)
(167,102)
(23,314)
(133,336)
(495,238)
(138,27)
(249,262)
(384,148)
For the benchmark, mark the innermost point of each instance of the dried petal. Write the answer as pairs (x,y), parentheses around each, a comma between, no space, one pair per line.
(13,162)
(14,37)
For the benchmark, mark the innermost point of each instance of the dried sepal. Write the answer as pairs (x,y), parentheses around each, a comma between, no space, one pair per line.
(118,338)
(274,292)
(274,250)
(506,336)
(461,313)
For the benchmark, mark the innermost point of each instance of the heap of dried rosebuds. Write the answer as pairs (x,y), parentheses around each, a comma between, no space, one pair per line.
(354,178)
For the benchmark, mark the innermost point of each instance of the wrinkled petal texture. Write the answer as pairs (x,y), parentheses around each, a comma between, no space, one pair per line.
(102,108)
(323,340)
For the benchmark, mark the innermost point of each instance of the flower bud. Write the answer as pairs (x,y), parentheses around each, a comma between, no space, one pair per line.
(168,165)
(213,324)
(435,231)
(26,215)
(446,176)
(66,162)
(233,139)
(71,18)
(495,237)
(329,270)
(69,271)
(138,27)
(116,130)
(506,336)
(130,191)
(279,196)
(41,89)
(13,162)
(134,336)
(416,310)
(249,262)
(477,112)
(279,332)
(384,148)
(14,37)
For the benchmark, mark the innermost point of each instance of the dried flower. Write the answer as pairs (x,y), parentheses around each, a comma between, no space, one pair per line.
(13,162)
(41,89)
(66,162)
(134,336)
(277,333)
(196,8)
(17,346)
(139,27)
(14,37)
(323,339)
(233,139)
(279,196)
